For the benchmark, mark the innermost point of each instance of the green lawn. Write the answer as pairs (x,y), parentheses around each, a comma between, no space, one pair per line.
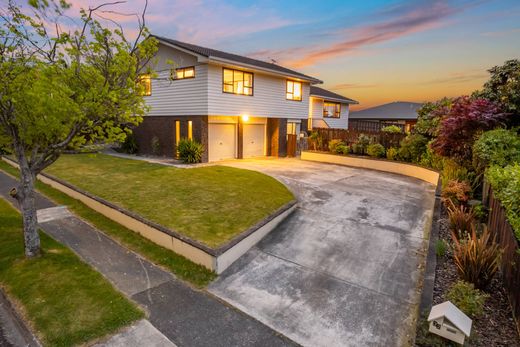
(66,301)
(210,204)
(185,269)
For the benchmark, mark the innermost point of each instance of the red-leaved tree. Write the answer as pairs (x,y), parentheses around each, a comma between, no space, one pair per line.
(461,123)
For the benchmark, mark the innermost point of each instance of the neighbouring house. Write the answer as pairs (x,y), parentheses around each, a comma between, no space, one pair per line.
(237,107)
(328,109)
(400,113)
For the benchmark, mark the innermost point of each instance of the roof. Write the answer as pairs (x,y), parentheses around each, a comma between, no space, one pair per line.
(326,94)
(239,59)
(393,110)
(453,314)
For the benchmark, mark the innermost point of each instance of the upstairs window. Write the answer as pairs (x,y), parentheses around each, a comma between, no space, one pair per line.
(237,82)
(145,81)
(331,109)
(184,72)
(294,91)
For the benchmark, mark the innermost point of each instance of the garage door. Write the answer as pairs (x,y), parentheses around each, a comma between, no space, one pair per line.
(221,141)
(254,135)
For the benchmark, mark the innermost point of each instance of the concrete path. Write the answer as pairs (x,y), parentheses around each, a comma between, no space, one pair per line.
(344,269)
(179,315)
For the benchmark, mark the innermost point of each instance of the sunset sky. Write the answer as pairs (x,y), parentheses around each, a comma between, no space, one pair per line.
(371,51)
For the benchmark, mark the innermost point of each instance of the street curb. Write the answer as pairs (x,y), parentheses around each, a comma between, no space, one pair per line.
(22,330)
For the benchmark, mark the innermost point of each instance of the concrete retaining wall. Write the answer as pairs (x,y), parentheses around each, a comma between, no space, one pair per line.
(214,259)
(410,170)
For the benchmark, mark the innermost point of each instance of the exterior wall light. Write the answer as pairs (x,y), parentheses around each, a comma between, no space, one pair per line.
(245,117)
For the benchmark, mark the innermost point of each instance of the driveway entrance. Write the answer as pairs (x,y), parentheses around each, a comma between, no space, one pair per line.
(345,268)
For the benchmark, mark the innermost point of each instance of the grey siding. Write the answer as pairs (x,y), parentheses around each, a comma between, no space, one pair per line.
(268,99)
(316,112)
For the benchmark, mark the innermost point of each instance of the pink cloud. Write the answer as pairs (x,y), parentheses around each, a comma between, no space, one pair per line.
(403,21)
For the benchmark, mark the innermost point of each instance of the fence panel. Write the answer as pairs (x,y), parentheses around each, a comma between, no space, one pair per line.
(510,269)
(371,126)
(350,136)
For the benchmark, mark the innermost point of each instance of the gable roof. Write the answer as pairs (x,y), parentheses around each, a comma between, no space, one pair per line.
(453,314)
(235,58)
(326,94)
(393,110)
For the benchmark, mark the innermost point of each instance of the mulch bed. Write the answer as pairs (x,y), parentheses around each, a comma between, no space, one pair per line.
(495,327)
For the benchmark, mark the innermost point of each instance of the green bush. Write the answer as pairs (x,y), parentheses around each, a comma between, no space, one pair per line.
(342,149)
(376,150)
(431,159)
(452,171)
(413,147)
(360,147)
(190,151)
(468,299)
(499,147)
(440,248)
(316,140)
(392,129)
(130,145)
(506,187)
(333,144)
(392,153)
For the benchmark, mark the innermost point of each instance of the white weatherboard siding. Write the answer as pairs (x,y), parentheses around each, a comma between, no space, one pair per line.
(268,98)
(318,121)
(185,97)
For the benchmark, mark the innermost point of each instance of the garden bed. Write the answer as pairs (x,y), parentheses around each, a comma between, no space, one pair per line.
(495,327)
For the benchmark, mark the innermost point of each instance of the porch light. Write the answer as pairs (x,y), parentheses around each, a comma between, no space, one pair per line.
(245,117)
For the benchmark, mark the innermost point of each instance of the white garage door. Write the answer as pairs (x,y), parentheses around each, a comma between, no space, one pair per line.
(254,135)
(221,141)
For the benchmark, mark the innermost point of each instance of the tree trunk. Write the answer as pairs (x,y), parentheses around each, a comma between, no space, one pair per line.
(26,199)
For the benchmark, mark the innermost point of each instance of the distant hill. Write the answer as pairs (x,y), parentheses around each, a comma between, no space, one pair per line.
(392,111)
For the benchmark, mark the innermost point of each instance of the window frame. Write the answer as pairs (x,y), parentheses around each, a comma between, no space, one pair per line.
(337,112)
(233,83)
(183,69)
(287,90)
(146,78)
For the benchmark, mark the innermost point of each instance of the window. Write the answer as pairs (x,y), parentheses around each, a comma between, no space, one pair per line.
(177,137)
(331,109)
(190,130)
(184,72)
(294,91)
(237,82)
(145,81)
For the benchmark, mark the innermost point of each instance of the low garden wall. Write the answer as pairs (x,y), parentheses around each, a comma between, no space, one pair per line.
(510,268)
(216,260)
(410,170)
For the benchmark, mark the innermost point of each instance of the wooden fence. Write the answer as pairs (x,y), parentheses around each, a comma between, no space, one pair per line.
(371,126)
(510,269)
(350,136)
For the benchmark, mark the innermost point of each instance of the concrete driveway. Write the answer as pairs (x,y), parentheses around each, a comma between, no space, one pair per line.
(345,268)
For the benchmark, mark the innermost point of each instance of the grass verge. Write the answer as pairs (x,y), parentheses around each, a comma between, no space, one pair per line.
(67,301)
(177,264)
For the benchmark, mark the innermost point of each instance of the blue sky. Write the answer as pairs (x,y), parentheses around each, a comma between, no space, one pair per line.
(371,51)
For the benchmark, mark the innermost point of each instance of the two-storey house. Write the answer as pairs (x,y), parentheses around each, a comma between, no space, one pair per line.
(237,107)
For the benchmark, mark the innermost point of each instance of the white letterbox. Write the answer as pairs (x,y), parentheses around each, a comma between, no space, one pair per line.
(449,322)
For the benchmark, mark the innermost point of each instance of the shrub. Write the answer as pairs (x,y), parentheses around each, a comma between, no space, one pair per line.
(190,151)
(392,153)
(468,299)
(360,147)
(496,147)
(461,219)
(456,191)
(333,144)
(376,150)
(440,248)
(452,171)
(342,149)
(477,258)
(156,145)
(431,159)
(413,147)
(461,123)
(506,187)
(429,117)
(392,129)
(316,140)
(480,212)
(130,144)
